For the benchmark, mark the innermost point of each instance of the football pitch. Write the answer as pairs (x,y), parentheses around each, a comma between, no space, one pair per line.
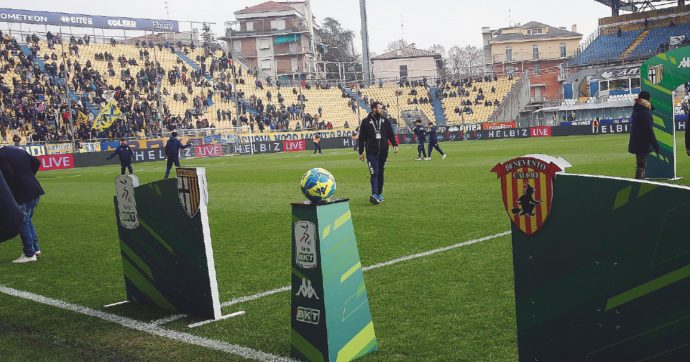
(437,257)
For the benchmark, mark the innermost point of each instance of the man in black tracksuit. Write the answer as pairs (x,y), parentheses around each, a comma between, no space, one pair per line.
(421,137)
(172,152)
(374,134)
(125,154)
(687,137)
(433,142)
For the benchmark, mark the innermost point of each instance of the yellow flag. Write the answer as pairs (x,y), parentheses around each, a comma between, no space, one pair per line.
(82,118)
(108,114)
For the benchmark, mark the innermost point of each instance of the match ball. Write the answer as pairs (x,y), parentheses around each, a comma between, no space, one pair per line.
(318,185)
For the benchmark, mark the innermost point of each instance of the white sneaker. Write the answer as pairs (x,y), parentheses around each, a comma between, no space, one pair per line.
(38,253)
(419,158)
(25,259)
(427,159)
(444,156)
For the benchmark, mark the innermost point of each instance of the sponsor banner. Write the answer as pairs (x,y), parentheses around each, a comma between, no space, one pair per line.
(498,125)
(140,155)
(542,131)
(506,133)
(34,150)
(91,147)
(281,136)
(150,143)
(56,162)
(59,148)
(87,21)
(295,145)
(203,151)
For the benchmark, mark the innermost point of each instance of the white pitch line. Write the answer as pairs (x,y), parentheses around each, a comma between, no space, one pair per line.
(116,304)
(371,267)
(232,315)
(149,328)
(169,319)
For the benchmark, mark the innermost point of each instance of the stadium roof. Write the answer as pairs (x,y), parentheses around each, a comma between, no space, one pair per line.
(268,6)
(634,6)
(552,32)
(407,52)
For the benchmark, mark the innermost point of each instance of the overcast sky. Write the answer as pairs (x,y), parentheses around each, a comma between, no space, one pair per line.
(448,22)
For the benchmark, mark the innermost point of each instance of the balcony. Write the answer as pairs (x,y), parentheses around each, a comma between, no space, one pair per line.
(238,33)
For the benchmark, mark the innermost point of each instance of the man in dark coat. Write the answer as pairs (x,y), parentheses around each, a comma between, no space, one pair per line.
(19,170)
(125,154)
(642,138)
(687,136)
(172,152)
(11,215)
(375,132)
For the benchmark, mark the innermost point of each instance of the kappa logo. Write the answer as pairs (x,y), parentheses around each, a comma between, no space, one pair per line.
(308,315)
(527,185)
(188,190)
(306,290)
(685,63)
(305,244)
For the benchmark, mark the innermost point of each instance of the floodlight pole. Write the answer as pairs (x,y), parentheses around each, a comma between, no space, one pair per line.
(365,43)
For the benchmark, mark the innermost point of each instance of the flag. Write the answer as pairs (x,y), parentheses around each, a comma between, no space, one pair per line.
(108,114)
(82,118)
(11,216)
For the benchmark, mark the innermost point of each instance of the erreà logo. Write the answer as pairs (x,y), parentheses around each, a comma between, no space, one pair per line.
(306,290)
(685,63)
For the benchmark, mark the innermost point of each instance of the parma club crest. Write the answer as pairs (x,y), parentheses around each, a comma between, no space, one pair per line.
(188,190)
(527,185)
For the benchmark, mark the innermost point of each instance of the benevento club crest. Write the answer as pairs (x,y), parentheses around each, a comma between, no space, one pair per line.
(527,185)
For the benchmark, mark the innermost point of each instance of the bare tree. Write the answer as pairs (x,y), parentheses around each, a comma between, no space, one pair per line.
(396,45)
(466,61)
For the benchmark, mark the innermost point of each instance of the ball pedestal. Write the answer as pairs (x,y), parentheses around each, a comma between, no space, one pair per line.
(330,315)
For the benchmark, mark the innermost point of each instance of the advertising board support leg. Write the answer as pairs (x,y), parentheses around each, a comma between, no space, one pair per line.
(330,314)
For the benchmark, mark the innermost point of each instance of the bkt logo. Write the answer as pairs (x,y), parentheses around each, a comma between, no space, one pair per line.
(685,63)
(306,290)
(308,315)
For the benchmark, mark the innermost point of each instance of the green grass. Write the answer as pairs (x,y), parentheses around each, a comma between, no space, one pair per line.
(456,305)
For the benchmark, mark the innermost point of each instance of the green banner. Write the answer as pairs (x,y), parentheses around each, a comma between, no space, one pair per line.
(607,276)
(165,243)
(331,318)
(661,76)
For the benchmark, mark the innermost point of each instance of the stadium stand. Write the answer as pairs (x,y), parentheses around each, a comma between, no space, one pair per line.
(606,48)
(470,101)
(657,40)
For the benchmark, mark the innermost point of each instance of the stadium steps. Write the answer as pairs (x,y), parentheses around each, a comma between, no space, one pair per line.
(438,106)
(631,48)
(353,95)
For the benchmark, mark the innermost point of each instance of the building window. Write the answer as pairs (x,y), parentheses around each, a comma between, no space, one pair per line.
(535,51)
(266,64)
(264,44)
(509,54)
(403,72)
(537,69)
(534,31)
(278,24)
(237,45)
(564,51)
(250,26)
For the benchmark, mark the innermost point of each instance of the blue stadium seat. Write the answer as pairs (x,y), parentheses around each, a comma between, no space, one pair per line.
(606,47)
(650,45)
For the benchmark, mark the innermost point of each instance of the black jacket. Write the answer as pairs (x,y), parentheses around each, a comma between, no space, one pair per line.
(642,138)
(367,135)
(11,215)
(687,135)
(19,169)
(124,153)
(173,146)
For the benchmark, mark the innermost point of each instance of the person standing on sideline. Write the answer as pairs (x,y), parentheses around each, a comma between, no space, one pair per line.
(317,143)
(595,126)
(687,136)
(19,169)
(375,132)
(172,152)
(433,142)
(355,139)
(420,133)
(642,138)
(125,154)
